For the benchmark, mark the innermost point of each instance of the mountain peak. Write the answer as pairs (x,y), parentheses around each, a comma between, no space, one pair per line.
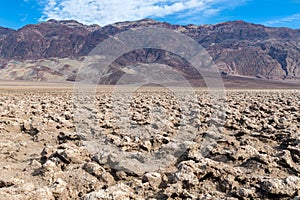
(73,24)
(5,32)
(142,22)
(64,22)
(238,23)
(148,20)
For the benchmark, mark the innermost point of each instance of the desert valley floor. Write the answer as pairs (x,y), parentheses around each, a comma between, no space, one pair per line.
(151,144)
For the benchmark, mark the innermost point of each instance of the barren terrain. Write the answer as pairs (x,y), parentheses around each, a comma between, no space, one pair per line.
(153,144)
(53,50)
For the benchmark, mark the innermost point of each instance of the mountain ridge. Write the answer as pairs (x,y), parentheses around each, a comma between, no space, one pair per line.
(237,47)
(5,32)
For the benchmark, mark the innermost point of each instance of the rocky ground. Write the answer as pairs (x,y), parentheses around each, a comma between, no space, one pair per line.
(150,145)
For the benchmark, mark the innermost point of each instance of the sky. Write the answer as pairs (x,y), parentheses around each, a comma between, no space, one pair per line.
(276,13)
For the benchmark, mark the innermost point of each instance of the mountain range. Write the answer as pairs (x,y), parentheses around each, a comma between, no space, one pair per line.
(53,50)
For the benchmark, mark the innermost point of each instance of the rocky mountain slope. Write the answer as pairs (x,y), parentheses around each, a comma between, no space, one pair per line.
(237,47)
(45,40)
(5,32)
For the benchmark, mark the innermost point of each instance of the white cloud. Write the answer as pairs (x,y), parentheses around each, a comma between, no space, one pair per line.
(289,21)
(105,12)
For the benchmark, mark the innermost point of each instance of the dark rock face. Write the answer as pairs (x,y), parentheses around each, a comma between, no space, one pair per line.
(45,40)
(252,50)
(4,32)
(237,47)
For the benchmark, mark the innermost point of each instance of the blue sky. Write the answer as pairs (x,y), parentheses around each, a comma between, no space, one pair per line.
(278,13)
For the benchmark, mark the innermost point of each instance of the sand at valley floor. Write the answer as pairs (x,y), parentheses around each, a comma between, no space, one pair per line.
(149,144)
